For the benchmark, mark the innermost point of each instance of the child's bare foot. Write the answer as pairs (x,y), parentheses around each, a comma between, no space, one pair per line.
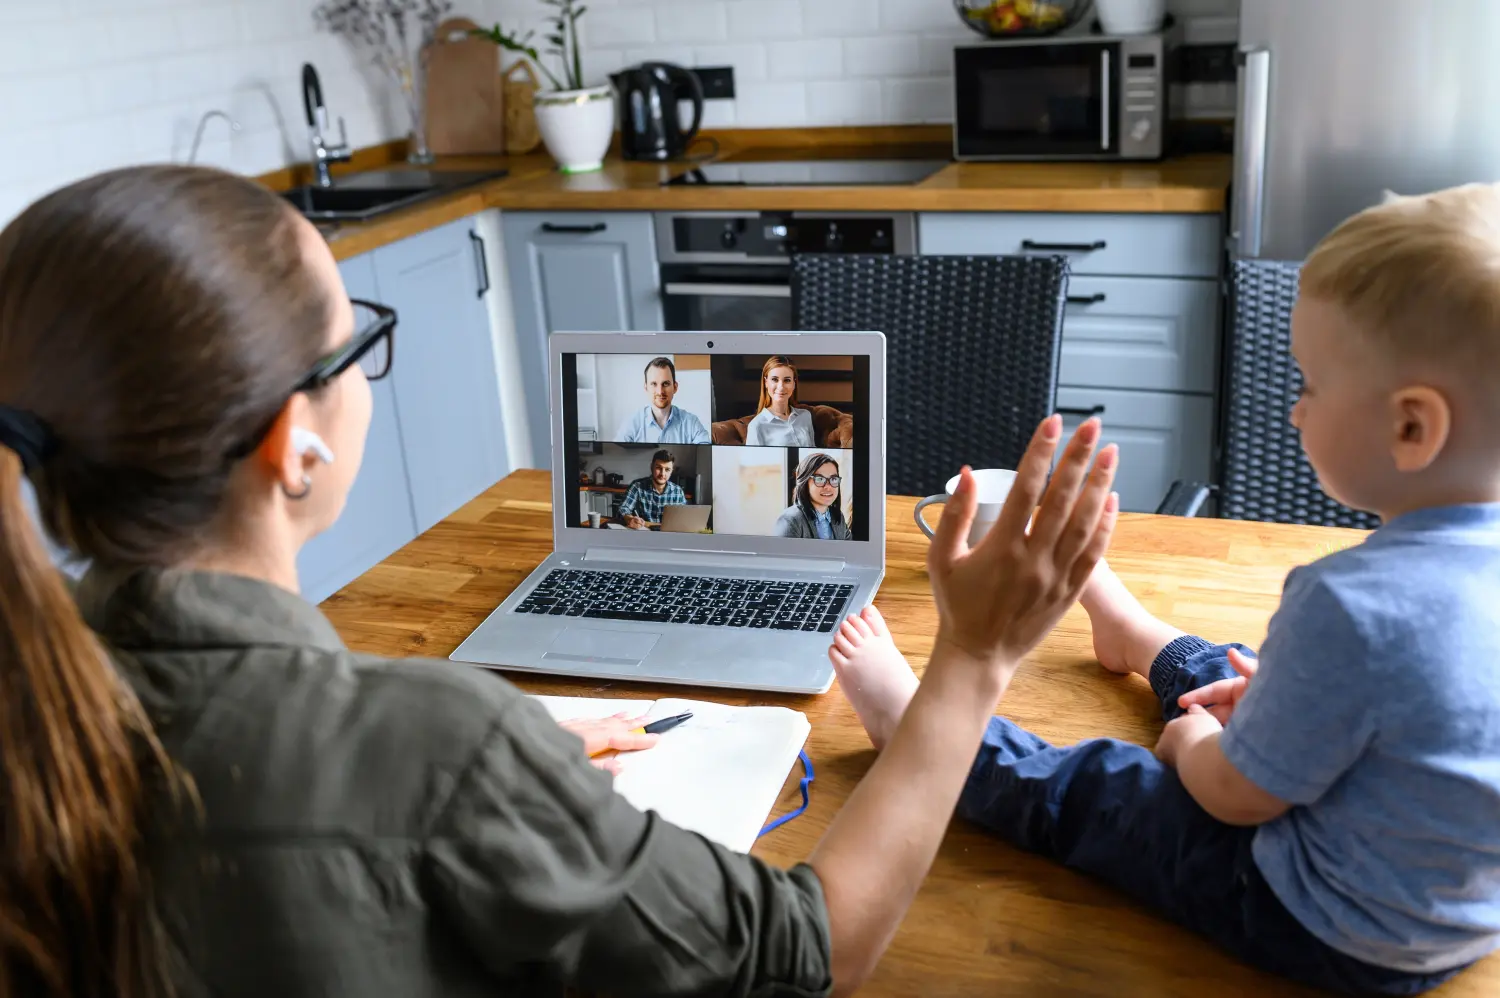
(1127,638)
(872,673)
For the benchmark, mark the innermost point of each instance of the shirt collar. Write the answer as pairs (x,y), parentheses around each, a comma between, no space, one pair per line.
(671,414)
(826,514)
(1480,517)
(151,609)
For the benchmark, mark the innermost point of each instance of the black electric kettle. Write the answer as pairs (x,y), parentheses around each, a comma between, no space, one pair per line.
(649,124)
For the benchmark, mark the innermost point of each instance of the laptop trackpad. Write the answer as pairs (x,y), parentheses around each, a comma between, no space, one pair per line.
(602,646)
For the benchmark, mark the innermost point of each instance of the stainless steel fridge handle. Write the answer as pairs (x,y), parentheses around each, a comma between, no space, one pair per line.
(1104,100)
(1250,155)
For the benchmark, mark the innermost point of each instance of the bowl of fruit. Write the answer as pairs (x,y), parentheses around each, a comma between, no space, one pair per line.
(1019,18)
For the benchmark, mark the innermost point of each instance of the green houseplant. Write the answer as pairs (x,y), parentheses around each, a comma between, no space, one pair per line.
(576,121)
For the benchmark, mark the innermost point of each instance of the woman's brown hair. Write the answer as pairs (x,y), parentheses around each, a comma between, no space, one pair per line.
(152,323)
(765,372)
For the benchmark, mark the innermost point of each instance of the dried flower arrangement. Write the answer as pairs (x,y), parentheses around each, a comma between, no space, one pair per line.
(396,33)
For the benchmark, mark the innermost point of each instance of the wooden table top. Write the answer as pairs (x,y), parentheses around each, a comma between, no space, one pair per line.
(990,920)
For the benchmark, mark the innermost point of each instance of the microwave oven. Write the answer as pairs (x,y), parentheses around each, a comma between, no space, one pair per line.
(1062,98)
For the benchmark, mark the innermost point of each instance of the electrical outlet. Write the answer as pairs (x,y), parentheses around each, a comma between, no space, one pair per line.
(717,81)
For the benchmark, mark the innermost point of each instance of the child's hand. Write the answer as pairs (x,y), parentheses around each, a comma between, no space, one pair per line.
(1185,732)
(1220,698)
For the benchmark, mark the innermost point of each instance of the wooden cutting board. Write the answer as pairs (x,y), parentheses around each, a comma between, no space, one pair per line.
(465,95)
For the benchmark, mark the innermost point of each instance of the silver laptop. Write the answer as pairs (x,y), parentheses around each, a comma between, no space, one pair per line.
(730,563)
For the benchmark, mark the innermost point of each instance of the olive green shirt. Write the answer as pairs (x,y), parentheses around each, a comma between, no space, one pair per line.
(376,827)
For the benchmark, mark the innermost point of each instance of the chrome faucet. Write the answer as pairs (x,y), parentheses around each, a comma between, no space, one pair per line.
(317,125)
(234,126)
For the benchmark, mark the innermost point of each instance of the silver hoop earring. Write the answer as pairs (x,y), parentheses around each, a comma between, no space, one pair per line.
(306,488)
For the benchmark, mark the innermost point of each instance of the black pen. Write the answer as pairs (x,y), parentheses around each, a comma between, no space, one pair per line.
(665,724)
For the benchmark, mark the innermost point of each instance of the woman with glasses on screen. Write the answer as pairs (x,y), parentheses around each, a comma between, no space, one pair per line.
(205,792)
(816,511)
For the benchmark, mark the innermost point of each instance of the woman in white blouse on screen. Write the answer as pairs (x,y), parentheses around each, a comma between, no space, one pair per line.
(778,421)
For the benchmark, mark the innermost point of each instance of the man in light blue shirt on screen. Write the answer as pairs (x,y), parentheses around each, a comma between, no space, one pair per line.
(661,422)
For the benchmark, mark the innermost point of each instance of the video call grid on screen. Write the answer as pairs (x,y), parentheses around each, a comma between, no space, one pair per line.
(737,430)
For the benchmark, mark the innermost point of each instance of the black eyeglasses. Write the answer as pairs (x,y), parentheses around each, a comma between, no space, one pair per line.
(822,480)
(372,347)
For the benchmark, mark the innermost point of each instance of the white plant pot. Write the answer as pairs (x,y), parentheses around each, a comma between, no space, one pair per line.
(1130,17)
(577,126)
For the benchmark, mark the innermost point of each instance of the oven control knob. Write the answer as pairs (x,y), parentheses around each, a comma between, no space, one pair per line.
(1140,130)
(728,239)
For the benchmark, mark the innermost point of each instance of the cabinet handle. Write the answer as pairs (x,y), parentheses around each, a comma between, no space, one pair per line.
(1080,412)
(1094,299)
(481,260)
(1098,244)
(576,230)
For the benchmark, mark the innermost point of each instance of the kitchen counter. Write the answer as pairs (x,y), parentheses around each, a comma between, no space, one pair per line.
(1192,184)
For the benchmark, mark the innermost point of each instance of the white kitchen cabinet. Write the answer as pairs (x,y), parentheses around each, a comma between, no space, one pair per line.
(437,433)
(1141,328)
(575,271)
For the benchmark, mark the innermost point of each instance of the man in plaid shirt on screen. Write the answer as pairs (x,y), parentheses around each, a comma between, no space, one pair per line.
(647,496)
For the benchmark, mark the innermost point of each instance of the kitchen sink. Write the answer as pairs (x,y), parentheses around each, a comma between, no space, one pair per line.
(357,197)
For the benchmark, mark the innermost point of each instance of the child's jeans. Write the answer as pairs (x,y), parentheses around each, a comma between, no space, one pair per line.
(1113,810)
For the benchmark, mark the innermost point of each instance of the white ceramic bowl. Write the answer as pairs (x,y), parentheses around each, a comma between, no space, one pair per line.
(577,126)
(1130,17)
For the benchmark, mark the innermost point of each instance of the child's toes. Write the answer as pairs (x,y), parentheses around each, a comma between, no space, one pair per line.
(859,623)
(873,617)
(839,659)
(845,644)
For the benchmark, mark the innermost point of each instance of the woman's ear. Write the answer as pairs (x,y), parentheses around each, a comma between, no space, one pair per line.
(1423,421)
(278,455)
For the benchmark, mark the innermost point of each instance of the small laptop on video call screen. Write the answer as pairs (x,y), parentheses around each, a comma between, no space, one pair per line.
(770,443)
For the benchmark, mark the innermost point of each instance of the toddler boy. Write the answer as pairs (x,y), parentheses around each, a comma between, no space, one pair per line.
(1330,812)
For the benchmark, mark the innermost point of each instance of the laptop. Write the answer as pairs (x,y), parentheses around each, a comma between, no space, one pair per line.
(764,546)
(685,519)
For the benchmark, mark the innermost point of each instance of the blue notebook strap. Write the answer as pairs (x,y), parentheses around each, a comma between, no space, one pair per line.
(807,778)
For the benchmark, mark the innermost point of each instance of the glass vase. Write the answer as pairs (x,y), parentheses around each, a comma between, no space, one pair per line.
(414,97)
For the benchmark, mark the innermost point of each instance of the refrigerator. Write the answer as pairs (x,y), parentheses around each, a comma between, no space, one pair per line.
(1340,101)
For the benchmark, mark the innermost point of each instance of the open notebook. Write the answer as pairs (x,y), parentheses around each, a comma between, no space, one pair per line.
(718,774)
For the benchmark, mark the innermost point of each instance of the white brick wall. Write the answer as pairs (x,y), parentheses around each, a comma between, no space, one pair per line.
(86,85)
(806,62)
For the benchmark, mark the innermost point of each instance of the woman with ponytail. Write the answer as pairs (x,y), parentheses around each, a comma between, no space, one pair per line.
(203,792)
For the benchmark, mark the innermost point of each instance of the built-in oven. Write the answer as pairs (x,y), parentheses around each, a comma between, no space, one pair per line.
(1083,97)
(725,271)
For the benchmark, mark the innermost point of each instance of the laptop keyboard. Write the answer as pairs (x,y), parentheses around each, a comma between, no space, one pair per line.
(689,599)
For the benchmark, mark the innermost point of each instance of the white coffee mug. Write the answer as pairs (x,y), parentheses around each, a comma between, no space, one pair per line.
(993,485)
(594,519)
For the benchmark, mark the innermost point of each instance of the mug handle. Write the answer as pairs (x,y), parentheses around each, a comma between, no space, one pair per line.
(922,523)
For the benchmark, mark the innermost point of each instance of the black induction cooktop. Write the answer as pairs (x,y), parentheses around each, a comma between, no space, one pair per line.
(808,173)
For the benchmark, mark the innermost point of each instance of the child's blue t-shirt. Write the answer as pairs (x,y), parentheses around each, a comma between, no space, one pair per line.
(1376,711)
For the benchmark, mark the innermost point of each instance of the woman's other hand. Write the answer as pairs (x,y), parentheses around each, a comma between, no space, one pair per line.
(609,735)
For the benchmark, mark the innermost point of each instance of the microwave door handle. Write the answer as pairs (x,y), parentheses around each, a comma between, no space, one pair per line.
(700,290)
(1104,100)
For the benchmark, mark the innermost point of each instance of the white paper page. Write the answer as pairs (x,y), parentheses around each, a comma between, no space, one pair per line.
(719,773)
(568,708)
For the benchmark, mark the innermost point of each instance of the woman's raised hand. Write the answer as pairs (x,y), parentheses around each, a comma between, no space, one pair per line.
(997,600)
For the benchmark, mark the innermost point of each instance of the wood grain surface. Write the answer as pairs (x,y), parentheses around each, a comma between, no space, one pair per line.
(465,110)
(1190,184)
(990,920)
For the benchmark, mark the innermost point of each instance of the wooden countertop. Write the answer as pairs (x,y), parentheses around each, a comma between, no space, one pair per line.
(1192,184)
(989,920)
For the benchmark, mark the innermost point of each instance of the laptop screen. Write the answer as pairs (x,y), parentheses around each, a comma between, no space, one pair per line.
(750,445)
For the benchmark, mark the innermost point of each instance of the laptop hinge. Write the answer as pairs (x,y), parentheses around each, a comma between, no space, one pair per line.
(676,558)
